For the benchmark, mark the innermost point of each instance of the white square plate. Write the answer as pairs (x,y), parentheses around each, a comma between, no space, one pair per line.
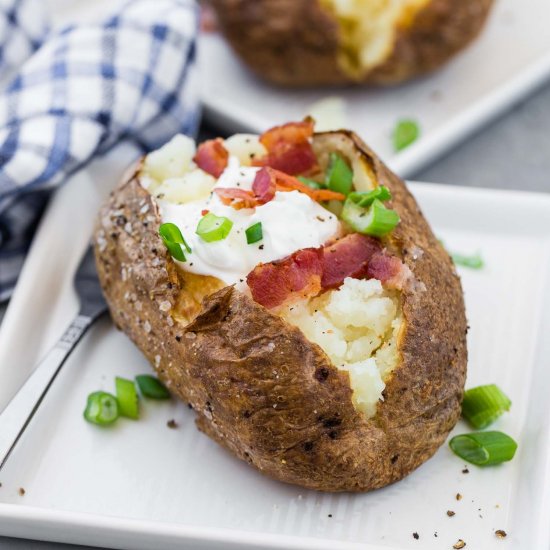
(510,59)
(141,485)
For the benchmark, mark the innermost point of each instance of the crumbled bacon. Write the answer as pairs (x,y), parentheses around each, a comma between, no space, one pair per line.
(266,182)
(306,272)
(299,275)
(390,270)
(237,198)
(284,182)
(212,157)
(289,149)
(264,185)
(348,257)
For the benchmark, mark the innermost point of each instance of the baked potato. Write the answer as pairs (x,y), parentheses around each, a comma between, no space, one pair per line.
(323,42)
(302,306)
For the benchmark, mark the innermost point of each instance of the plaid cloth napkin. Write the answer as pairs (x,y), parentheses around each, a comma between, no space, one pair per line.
(23,27)
(87,87)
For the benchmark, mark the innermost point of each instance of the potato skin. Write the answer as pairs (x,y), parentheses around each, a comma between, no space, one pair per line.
(259,387)
(295,42)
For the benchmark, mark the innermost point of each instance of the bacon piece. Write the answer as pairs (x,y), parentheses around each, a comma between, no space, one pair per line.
(264,185)
(297,276)
(237,198)
(389,270)
(348,257)
(284,182)
(321,195)
(306,272)
(289,149)
(212,157)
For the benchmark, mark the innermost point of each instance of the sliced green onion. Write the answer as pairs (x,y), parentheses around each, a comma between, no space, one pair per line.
(127,397)
(381,193)
(339,175)
(213,228)
(101,408)
(173,239)
(473,262)
(484,448)
(310,183)
(482,405)
(254,233)
(152,387)
(405,132)
(377,220)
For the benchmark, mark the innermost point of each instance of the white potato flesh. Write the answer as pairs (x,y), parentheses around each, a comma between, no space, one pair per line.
(172,160)
(193,186)
(368,29)
(246,147)
(357,327)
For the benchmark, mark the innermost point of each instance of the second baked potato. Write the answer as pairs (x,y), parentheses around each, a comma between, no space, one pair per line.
(317,42)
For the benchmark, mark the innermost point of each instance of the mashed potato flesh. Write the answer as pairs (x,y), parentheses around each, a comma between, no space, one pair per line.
(357,326)
(368,29)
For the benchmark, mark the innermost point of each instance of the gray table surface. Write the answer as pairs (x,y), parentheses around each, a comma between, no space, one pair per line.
(511,153)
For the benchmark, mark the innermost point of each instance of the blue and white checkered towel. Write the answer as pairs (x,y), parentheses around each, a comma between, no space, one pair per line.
(130,77)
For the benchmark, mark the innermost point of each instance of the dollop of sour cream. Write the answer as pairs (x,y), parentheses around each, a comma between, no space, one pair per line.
(290,222)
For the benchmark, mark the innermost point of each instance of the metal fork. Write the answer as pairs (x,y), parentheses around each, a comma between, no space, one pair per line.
(17,415)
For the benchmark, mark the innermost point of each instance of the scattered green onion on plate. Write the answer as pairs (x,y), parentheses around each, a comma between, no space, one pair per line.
(484,448)
(101,408)
(173,239)
(254,233)
(213,228)
(482,405)
(152,387)
(474,261)
(127,397)
(339,176)
(405,132)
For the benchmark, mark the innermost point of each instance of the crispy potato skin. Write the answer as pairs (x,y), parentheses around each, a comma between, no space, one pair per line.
(259,387)
(295,42)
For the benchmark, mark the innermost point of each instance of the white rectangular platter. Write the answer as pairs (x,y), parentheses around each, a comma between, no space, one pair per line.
(509,60)
(141,485)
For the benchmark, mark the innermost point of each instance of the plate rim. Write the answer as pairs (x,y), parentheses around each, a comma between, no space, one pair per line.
(26,521)
(78,526)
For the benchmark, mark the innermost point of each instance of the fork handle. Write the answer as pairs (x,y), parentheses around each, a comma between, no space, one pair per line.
(20,410)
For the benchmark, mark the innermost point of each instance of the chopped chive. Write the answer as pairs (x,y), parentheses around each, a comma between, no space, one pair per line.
(152,387)
(365,199)
(173,239)
(473,262)
(405,132)
(127,397)
(101,408)
(482,405)
(254,233)
(376,220)
(339,176)
(310,183)
(484,448)
(213,228)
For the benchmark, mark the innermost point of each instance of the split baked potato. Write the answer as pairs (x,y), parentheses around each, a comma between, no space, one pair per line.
(318,42)
(320,334)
